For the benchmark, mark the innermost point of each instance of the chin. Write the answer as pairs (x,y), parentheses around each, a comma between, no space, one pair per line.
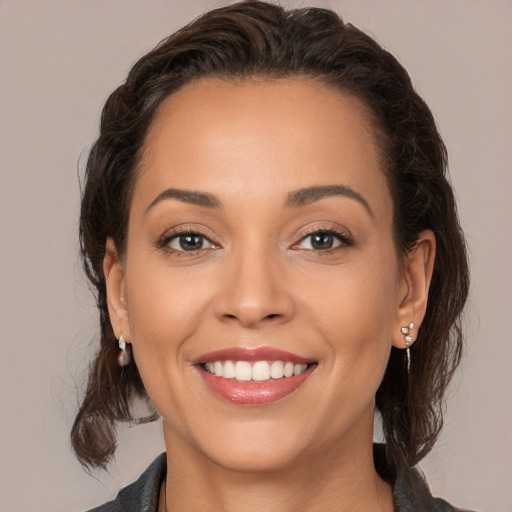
(254,458)
(258,447)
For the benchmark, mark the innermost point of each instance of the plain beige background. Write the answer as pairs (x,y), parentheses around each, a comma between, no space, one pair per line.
(58,62)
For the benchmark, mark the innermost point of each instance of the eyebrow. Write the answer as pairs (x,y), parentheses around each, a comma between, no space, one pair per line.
(309,195)
(296,199)
(186,196)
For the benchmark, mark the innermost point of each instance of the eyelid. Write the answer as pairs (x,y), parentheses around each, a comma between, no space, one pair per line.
(342,234)
(174,238)
(178,231)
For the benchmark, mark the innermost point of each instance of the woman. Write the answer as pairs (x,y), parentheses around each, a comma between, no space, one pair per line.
(276,251)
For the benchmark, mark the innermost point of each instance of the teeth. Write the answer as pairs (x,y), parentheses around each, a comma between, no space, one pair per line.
(277,370)
(288,369)
(229,370)
(299,368)
(243,371)
(258,371)
(261,371)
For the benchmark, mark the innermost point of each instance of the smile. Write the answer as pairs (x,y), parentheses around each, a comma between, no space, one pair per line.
(259,371)
(253,376)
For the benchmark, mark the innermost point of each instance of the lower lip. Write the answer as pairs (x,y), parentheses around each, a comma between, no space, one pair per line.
(254,393)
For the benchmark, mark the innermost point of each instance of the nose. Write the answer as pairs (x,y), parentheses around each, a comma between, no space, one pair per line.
(255,291)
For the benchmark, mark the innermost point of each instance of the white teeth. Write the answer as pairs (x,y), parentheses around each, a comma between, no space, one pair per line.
(277,370)
(243,370)
(229,370)
(261,371)
(258,371)
(288,369)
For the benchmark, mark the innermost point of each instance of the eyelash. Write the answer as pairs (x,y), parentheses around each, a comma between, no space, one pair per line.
(168,238)
(342,236)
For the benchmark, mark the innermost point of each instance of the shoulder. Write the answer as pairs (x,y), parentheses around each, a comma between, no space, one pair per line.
(443,506)
(410,489)
(413,494)
(142,494)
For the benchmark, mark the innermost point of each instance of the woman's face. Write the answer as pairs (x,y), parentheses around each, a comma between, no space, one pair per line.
(259,243)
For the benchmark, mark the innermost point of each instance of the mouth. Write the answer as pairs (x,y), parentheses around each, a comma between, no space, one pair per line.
(253,376)
(259,371)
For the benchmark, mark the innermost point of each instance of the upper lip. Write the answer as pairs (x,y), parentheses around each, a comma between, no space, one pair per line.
(251,354)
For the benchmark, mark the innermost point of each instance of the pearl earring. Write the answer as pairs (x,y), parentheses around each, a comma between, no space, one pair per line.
(406,331)
(123,359)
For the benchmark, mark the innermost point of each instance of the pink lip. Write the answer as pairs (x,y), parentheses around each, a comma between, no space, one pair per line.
(252,393)
(251,354)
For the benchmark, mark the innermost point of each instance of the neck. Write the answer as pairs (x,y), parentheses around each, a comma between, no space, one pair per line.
(342,480)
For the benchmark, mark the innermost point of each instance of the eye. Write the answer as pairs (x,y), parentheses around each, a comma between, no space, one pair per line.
(323,240)
(187,242)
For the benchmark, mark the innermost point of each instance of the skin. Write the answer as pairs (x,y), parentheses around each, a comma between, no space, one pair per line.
(258,282)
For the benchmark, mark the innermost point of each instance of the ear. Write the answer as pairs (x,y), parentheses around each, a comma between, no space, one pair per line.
(413,291)
(114,280)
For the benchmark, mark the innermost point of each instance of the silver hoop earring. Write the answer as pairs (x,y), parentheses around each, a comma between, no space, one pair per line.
(406,331)
(123,359)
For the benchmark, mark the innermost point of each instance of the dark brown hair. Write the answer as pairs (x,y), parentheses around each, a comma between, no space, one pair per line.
(256,39)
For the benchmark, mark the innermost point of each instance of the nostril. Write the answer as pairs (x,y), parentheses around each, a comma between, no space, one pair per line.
(272,315)
(252,320)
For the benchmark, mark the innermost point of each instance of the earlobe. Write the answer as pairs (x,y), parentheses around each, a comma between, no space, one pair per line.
(114,280)
(418,269)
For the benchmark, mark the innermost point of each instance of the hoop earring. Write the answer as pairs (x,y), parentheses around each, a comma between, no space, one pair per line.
(123,359)
(406,331)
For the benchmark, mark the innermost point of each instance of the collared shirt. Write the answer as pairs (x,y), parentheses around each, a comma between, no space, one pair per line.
(410,490)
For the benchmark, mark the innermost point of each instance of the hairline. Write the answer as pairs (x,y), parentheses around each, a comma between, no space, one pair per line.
(369,117)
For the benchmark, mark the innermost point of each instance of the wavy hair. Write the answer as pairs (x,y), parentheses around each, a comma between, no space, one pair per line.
(257,39)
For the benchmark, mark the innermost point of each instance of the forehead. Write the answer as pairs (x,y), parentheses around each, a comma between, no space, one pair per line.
(260,137)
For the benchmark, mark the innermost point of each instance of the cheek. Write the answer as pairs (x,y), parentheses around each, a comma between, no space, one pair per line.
(164,312)
(359,297)
(161,300)
(162,320)
(356,315)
